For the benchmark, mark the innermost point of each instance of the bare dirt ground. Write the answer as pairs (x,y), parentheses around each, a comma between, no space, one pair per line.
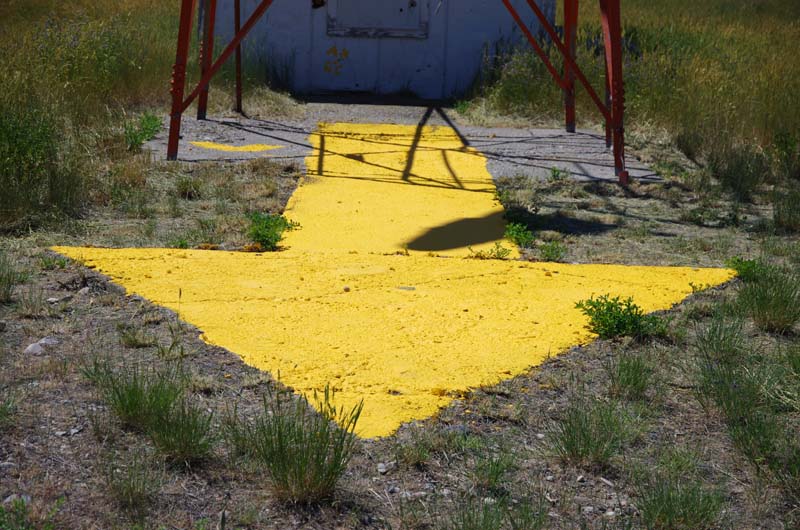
(64,447)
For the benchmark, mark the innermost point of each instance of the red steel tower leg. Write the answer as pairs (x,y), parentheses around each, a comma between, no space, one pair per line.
(612,29)
(237,21)
(206,53)
(179,77)
(570,38)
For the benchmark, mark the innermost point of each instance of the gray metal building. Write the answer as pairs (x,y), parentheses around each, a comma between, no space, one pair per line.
(433,49)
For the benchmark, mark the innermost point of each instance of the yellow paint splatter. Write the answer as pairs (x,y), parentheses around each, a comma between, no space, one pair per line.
(252,148)
(407,333)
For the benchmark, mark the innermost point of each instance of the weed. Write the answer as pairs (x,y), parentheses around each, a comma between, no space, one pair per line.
(722,340)
(520,235)
(8,409)
(178,242)
(189,188)
(741,168)
(787,211)
(267,229)
(670,503)
(748,270)
(9,277)
(426,443)
(32,304)
(304,453)
(142,130)
(477,513)
(590,433)
(554,251)
(183,432)
(132,336)
(614,317)
(16,516)
(49,262)
(631,376)
(137,396)
(133,484)
(774,300)
(490,472)
(559,176)
(498,251)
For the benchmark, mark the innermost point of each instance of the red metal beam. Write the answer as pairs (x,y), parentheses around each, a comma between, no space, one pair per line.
(206,52)
(570,39)
(179,77)
(612,30)
(237,27)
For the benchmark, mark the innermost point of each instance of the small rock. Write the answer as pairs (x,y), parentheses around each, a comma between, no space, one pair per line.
(446,492)
(581,478)
(14,498)
(34,349)
(610,513)
(587,510)
(53,300)
(393,489)
(383,468)
(346,289)
(607,482)
(489,501)
(61,433)
(540,436)
(549,478)
(48,341)
(84,291)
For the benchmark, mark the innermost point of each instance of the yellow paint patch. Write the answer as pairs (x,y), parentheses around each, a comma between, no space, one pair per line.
(405,333)
(409,333)
(252,148)
(386,188)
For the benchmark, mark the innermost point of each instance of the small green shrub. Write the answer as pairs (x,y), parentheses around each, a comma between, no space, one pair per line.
(426,443)
(267,229)
(631,376)
(590,433)
(137,396)
(133,484)
(519,234)
(554,251)
(49,262)
(498,251)
(39,175)
(614,317)
(9,277)
(183,433)
(774,300)
(748,270)
(305,453)
(140,131)
(787,210)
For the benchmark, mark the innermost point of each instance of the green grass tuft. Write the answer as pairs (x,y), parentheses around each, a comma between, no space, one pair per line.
(133,484)
(9,278)
(631,376)
(305,453)
(774,300)
(787,211)
(591,433)
(138,132)
(184,433)
(554,251)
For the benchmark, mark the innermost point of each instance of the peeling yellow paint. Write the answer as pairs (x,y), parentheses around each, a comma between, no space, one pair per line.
(252,148)
(407,333)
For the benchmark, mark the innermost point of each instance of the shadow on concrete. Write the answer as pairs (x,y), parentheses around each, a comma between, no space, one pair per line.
(462,233)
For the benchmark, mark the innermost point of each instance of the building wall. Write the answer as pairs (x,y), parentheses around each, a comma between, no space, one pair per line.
(433,49)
